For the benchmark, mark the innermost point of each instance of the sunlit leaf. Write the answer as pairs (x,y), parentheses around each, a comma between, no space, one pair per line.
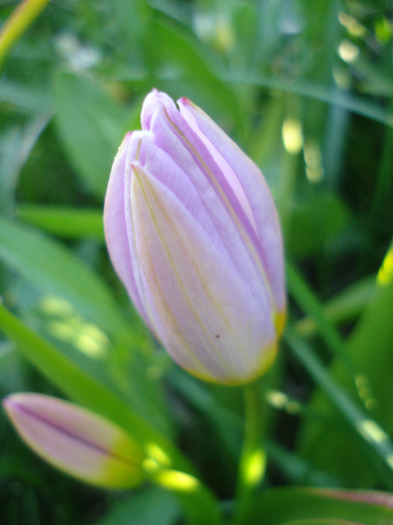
(70,223)
(56,270)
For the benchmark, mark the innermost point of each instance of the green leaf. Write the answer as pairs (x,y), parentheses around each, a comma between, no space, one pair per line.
(309,506)
(56,270)
(15,146)
(365,431)
(330,447)
(132,20)
(151,506)
(84,389)
(70,223)
(343,307)
(265,142)
(307,236)
(310,304)
(27,98)
(91,125)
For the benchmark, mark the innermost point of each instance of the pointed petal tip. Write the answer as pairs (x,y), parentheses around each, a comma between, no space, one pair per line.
(185,101)
(153,100)
(7,405)
(13,402)
(185,104)
(125,141)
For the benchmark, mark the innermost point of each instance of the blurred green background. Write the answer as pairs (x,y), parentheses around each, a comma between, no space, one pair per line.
(306,89)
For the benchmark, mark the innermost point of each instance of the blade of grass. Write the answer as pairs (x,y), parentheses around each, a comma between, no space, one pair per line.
(330,446)
(309,303)
(364,426)
(343,307)
(345,100)
(20,20)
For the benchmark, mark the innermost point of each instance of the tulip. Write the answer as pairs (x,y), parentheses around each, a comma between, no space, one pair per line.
(193,234)
(77,441)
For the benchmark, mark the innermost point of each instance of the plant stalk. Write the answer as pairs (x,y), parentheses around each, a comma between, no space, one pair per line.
(252,464)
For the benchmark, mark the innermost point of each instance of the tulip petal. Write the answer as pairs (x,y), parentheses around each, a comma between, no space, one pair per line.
(153,100)
(201,155)
(76,441)
(234,239)
(115,223)
(189,297)
(256,191)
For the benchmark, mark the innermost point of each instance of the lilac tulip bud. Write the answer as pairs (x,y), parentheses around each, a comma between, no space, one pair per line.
(77,441)
(194,235)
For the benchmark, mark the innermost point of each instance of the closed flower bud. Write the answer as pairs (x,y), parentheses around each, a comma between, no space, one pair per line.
(193,233)
(77,441)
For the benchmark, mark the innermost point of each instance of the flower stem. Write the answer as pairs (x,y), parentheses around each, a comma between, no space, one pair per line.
(252,463)
(198,503)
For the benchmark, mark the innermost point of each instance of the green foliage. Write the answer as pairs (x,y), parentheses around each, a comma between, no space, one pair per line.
(290,506)
(150,506)
(306,89)
(51,266)
(369,383)
(91,125)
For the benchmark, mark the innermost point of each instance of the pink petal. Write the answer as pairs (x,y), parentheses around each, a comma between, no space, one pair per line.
(189,290)
(257,194)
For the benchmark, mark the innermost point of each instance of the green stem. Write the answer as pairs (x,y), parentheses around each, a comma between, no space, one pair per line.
(252,463)
(197,502)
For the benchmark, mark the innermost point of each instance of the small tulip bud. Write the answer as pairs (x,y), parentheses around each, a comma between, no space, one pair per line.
(77,441)
(194,235)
